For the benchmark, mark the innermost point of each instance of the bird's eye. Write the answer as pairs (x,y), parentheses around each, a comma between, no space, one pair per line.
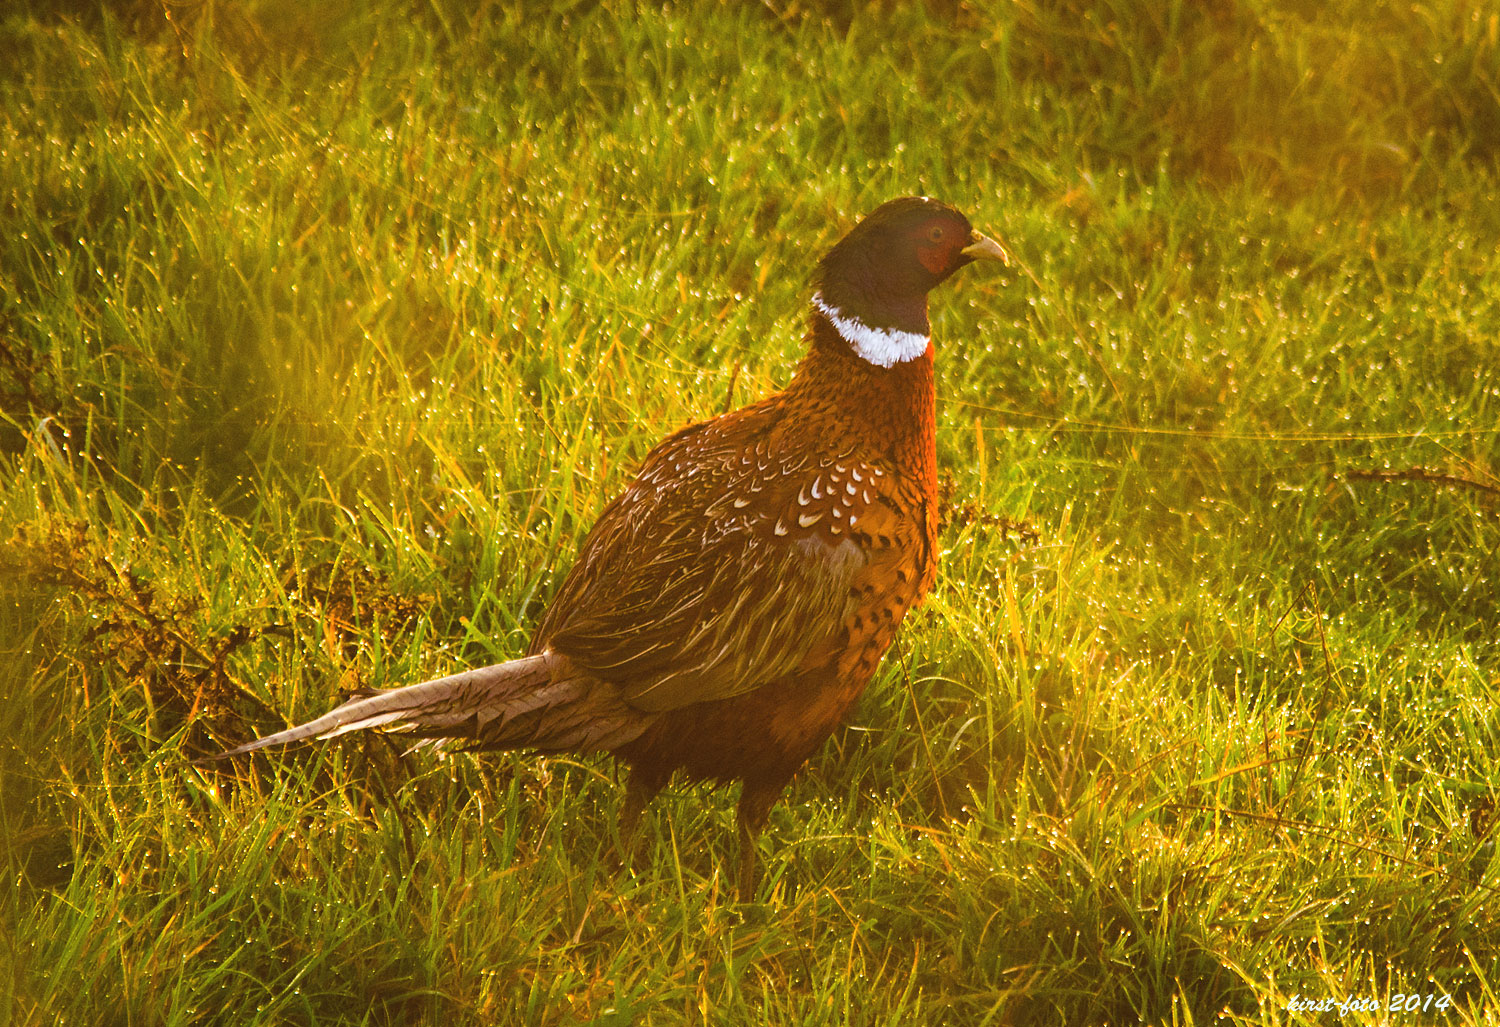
(935,233)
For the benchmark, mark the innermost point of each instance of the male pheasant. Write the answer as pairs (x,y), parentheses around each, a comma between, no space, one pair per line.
(732,603)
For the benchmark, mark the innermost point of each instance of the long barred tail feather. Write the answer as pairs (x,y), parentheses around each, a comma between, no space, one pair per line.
(523,703)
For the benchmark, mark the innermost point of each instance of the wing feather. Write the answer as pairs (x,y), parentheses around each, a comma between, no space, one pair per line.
(679,596)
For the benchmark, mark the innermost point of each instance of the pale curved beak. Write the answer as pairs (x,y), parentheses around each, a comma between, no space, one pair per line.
(982,247)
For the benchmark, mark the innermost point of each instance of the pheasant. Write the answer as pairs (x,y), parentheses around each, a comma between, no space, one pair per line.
(729,606)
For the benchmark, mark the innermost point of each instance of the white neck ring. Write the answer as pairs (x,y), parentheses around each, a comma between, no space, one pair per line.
(882,347)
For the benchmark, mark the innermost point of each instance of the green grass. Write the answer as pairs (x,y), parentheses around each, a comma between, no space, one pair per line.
(327,329)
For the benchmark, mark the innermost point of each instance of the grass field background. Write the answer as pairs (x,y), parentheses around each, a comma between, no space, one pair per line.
(326,330)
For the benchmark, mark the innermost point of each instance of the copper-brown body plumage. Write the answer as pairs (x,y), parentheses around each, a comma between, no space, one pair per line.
(733,602)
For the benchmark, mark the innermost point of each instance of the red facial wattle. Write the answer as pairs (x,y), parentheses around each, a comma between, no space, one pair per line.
(938,244)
